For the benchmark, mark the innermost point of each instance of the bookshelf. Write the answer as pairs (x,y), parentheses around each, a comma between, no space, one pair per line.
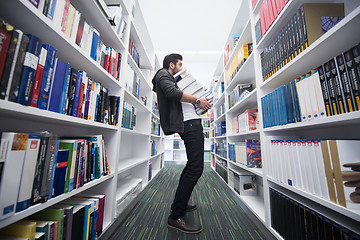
(337,40)
(130,168)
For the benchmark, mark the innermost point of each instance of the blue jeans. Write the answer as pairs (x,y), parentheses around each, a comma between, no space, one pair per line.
(193,138)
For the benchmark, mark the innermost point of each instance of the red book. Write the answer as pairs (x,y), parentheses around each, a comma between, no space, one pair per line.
(38,78)
(106,59)
(5,37)
(271,11)
(262,19)
(276,8)
(254,2)
(116,64)
(81,96)
(111,60)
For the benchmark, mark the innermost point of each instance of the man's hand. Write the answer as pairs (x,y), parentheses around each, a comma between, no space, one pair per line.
(204,103)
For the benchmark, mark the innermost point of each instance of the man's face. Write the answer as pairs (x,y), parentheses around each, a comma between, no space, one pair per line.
(177,67)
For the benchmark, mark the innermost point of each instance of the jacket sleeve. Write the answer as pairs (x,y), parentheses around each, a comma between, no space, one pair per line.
(169,89)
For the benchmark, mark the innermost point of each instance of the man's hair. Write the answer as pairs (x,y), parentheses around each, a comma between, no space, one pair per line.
(173,57)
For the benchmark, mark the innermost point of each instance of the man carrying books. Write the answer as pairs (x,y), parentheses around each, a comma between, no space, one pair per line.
(178,115)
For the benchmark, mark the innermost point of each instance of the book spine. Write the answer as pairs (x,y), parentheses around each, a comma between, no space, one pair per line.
(77,94)
(48,77)
(82,96)
(28,71)
(71,91)
(38,78)
(10,61)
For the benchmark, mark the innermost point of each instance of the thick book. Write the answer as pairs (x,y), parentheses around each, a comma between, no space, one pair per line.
(12,91)
(22,229)
(6,31)
(48,76)
(82,95)
(38,78)
(28,172)
(354,76)
(60,170)
(40,168)
(71,91)
(54,149)
(9,65)
(13,146)
(75,106)
(346,83)
(57,87)
(50,214)
(28,70)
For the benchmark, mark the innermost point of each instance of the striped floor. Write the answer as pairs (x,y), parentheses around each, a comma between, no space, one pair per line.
(218,213)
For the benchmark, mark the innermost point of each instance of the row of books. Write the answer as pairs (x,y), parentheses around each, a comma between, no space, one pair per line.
(245,122)
(129,116)
(220,128)
(32,75)
(134,52)
(269,11)
(244,185)
(154,146)
(329,90)
(207,134)
(231,46)
(220,148)
(221,169)
(155,126)
(220,110)
(247,153)
(113,12)
(46,166)
(79,217)
(132,81)
(239,93)
(293,220)
(239,59)
(205,123)
(309,23)
(154,106)
(76,27)
(325,168)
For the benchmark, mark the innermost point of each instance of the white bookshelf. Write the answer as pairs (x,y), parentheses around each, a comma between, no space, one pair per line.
(128,151)
(345,126)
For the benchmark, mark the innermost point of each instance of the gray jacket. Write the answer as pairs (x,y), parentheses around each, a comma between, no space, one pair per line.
(168,96)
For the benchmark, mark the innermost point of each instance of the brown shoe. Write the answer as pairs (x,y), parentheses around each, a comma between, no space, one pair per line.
(181,225)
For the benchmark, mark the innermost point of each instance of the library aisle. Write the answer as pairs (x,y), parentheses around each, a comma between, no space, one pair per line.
(219,212)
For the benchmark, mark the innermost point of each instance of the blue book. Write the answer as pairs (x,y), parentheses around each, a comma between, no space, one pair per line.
(29,69)
(77,93)
(51,11)
(296,101)
(47,77)
(65,88)
(53,168)
(94,45)
(55,96)
(60,172)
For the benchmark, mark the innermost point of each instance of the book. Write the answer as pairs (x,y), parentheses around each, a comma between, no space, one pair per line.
(60,170)
(68,219)
(13,146)
(71,91)
(9,66)
(57,87)
(43,227)
(12,91)
(48,76)
(23,229)
(28,172)
(65,88)
(28,70)
(6,31)
(38,78)
(49,182)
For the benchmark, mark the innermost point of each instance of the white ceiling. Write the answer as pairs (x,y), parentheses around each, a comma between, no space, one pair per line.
(197,29)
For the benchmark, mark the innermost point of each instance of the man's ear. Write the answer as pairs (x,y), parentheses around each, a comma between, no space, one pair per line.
(172,65)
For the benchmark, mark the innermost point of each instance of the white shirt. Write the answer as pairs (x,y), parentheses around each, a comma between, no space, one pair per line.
(189,111)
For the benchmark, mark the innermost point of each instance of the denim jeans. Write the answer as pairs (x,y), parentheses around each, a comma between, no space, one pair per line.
(193,138)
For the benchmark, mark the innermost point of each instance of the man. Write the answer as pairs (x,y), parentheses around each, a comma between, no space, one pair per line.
(178,115)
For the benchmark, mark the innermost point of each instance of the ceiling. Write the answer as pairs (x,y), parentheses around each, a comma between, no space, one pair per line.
(196,29)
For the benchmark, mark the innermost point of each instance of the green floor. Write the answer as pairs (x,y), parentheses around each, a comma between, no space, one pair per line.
(219,212)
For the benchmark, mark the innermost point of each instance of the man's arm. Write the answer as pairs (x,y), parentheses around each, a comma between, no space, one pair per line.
(204,102)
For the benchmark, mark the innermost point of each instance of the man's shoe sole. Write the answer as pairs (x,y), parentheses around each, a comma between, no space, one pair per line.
(182,230)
